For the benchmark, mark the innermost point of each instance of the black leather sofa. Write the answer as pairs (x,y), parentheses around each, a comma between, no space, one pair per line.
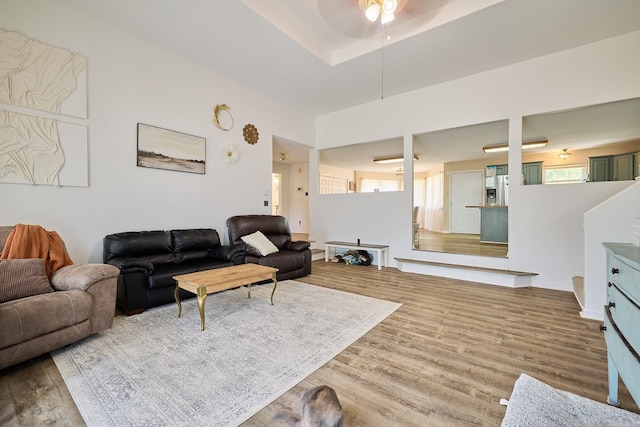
(149,259)
(293,258)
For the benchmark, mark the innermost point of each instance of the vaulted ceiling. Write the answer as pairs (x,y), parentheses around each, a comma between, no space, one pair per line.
(323,55)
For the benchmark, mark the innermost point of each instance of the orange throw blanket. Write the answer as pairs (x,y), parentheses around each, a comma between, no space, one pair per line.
(33,241)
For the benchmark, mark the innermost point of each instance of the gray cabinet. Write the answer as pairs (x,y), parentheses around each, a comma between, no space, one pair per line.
(494,224)
(600,168)
(612,168)
(502,169)
(622,167)
(532,173)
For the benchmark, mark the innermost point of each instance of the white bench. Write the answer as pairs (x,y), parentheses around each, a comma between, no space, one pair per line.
(382,251)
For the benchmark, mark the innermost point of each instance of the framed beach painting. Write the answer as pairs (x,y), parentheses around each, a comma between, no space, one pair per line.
(166,149)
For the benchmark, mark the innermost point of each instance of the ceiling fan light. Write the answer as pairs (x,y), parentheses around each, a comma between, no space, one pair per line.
(387,17)
(389,6)
(372,12)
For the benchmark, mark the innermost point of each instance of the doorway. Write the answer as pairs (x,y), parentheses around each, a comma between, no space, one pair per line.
(290,183)
(466,189)
(276,179)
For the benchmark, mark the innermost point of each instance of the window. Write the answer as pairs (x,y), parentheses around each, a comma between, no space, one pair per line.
(565,174)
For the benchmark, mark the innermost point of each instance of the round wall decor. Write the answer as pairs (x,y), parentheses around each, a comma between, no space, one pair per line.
(227,123)
(250,134)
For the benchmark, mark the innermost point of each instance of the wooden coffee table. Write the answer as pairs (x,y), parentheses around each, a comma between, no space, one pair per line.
(207,282)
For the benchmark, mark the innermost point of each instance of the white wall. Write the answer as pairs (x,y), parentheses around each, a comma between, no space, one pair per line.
(545,222)
(132,81)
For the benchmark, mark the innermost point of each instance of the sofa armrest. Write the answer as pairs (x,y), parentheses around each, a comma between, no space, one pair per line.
(298,246)
(81,276)
(132,265)
(229,253)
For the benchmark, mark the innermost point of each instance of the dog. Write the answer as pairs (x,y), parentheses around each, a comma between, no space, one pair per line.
(319,407)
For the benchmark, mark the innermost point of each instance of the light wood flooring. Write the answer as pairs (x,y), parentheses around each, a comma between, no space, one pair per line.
(446,357)
(466,244)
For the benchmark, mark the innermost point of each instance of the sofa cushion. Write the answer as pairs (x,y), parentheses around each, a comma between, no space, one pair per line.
(34,316)
(21,278)
(151,246)
(194,243)
(260,242)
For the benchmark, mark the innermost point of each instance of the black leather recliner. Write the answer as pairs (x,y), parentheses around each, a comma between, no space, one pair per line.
(149,259)
(292,260)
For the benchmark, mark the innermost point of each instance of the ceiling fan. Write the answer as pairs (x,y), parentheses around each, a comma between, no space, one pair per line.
(386,9)
(352,19)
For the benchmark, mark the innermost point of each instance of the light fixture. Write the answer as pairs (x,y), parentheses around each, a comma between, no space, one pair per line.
(374,8)
(564,154)
(527,145)
(396,159)
(495,148)
(283,156)
(534,144)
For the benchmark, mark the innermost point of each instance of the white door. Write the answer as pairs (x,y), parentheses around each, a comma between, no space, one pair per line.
(465,189)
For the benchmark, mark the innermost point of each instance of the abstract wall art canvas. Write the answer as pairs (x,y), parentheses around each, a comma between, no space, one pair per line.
(41,88)
(42,151)
(166,149)
(42,77)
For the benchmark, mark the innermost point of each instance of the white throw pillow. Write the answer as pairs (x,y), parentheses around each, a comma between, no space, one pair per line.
(260,242)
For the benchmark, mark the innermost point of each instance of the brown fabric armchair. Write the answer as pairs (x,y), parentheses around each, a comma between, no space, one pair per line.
(293,258)
(76,301)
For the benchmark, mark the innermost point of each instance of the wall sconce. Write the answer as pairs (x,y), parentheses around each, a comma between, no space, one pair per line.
(564,154)
(396,159)
(283,156)
(505,147)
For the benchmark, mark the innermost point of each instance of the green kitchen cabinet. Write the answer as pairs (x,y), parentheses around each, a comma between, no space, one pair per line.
(532,173)
(622,167)
(612,168)
(502,169)
(600,168)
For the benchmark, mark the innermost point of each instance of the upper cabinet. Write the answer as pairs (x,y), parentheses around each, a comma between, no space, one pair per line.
(612,168)
(532,173)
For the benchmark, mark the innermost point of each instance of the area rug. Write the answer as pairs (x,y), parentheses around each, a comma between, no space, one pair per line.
(154,369)
(534,403)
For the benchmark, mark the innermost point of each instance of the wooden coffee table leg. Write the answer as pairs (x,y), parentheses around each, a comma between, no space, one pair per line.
(275,285)
(176,295)
(202,296)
